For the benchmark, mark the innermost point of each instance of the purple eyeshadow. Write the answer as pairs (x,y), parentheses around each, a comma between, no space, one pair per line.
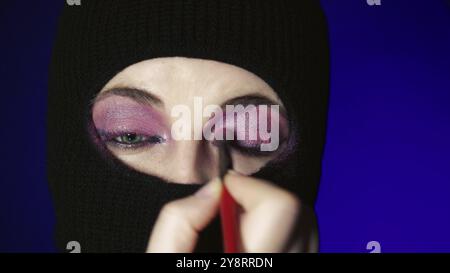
(116,115)
(243,132)
(247,136)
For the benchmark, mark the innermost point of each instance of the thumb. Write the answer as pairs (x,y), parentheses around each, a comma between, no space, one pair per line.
(269,213)
(180,221)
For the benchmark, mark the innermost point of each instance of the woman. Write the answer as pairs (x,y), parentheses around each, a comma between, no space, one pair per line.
(121,180)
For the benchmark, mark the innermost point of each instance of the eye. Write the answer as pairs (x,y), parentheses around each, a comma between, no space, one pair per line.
(130,140)
(250,147)
(133,139)
(253,136)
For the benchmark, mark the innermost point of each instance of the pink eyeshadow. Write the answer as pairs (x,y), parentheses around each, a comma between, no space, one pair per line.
(251,125)
(116,114)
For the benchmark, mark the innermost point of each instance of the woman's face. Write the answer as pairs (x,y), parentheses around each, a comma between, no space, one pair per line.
(140,111)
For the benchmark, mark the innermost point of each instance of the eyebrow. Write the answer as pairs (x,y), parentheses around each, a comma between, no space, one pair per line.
(146,97)
(254,99)
(136,94)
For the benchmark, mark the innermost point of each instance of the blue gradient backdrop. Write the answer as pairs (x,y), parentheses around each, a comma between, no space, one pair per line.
(386,170)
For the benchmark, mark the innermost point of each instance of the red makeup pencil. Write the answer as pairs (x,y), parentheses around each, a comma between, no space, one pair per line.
(228,206)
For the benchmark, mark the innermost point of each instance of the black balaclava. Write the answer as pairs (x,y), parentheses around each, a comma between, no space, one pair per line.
(105,205)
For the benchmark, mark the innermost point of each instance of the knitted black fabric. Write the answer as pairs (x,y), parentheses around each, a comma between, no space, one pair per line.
(108,207)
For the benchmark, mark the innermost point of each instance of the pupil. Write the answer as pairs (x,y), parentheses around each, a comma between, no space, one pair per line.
(131,137)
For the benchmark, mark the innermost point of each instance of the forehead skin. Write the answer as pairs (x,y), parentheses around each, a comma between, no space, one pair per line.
(177,80)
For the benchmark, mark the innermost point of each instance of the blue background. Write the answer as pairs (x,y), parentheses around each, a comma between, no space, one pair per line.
(386,165)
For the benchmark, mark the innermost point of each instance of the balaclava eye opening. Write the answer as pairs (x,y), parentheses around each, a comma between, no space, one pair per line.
(105,205)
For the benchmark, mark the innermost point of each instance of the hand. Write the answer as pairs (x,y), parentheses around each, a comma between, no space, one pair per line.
(272,219)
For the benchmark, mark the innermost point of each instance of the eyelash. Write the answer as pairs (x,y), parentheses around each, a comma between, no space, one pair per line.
(116,139)
(253,150)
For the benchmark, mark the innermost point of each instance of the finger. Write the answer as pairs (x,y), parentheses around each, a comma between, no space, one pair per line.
(269,216)
(180,221)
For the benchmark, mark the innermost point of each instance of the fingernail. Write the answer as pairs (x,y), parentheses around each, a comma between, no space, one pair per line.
(211,189)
